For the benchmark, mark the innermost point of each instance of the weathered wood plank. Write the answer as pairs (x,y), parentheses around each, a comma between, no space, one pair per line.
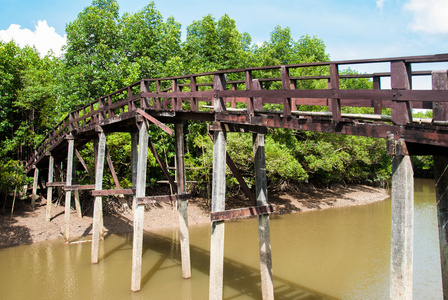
(113,192)
(241,213)
(155,121)
(79,187)
(163,198)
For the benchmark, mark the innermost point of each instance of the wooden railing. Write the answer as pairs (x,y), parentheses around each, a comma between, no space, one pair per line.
(272,90)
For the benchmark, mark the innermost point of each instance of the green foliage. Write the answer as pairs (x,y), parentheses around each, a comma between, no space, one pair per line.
(106,51)
(12,175)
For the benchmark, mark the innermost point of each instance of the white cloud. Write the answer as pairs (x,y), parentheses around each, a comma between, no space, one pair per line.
(44,37)
(429,15)
(380,3)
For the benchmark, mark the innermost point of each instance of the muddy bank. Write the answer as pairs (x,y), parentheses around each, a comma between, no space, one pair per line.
(29,226)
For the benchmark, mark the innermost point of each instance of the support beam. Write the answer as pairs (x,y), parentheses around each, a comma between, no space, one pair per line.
(98,205)
(35,183)
(440,113)
(182,204)
(68,194)
(441,178)
(134,157)
(139,211)
(218,204)
(264,235)
(50,188)
(402,223)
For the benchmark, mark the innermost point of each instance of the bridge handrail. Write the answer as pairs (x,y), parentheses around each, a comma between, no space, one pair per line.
(173,93)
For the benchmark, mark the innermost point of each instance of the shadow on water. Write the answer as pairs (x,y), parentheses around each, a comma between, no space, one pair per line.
(238,276)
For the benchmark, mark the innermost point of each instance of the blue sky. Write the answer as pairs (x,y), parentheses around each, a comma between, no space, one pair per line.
(351,29)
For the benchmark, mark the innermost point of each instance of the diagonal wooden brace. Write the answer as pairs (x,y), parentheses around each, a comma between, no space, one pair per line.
(155,121)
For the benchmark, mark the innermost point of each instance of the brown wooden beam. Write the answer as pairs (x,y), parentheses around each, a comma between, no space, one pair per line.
(155,121)
(83,163)
(161,164)
(113,192)
(79,187)
(166,198)
(241,213)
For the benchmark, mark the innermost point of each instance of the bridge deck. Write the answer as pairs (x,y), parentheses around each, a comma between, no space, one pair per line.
(273,96)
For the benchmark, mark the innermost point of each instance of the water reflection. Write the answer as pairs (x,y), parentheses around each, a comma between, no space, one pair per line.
(340,253)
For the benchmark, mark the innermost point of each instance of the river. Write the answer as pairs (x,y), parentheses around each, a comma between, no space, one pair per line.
(337,253)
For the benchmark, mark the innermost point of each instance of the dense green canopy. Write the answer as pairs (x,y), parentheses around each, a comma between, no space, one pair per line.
(106,51)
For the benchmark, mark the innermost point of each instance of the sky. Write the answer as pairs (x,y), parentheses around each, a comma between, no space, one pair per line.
(350,29)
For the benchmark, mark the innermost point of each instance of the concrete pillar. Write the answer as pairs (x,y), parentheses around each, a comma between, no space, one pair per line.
(139,211)
(98,205)
(440,113)
(218,204)
(402,224)
(441,177)
(182,204)
(35,183)
(50,188)
(264,236)
(69,180)
(134,157)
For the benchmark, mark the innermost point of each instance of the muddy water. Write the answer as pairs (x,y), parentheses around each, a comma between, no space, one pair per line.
(340,253)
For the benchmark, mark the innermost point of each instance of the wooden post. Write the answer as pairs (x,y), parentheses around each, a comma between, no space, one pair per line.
(134,157)
(139,211)
(402,223)
(218,204)
(98,205)
(182,204)
(401,80)
(50,188)
(440,113)
(264,235)
(68,193)
(35,183)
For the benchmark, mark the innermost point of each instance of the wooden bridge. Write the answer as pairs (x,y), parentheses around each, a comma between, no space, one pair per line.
(250,101)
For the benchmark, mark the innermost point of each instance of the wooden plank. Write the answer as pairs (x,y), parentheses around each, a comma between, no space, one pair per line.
(155,121)
(83,163)
(161,164)
(440,82)
(112,169)
(79,187)
(55,184)
(164,198)
(286,85)
(114,192)
(334,103)
(401,80)
(240,213)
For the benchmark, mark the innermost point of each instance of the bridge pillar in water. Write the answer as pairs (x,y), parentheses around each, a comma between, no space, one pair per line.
(139,210)
(402,222)
(440,113)
(69,180)
(182,203)
(264,235)
(97,228)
